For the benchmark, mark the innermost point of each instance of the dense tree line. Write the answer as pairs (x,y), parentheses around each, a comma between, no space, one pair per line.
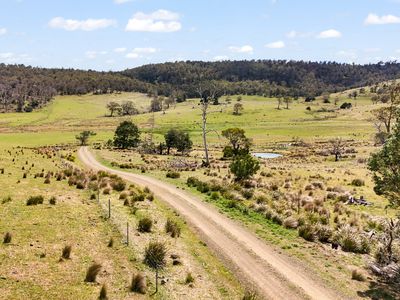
(24,88)
(264,77)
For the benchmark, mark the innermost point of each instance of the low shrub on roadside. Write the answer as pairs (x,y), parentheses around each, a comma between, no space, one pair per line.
(35,200)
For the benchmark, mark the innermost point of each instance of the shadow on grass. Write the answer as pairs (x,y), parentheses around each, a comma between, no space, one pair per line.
(381,290)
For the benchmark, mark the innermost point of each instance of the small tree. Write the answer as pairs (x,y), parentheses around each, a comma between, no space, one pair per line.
(337,148)
(154,257)
(114,108)
(156,104)
(237,109)
(239,144)
(170,139)
(244,167)
(84,136)
(126,135)
(386,167)
(178,139)
(128,109)
(287,101)
(279,101)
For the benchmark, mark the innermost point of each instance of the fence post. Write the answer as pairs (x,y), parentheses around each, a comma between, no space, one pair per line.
(127,233)
(109,208)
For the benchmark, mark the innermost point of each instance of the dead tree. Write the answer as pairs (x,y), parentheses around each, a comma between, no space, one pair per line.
(338,147)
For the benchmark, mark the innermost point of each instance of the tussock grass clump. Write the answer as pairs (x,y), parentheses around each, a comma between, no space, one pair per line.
(123,196)
(358,275)
(291,222)
(103,293)
(308,232)
(7,238)
(6,200)
(189,278)
(107,191)
(172,228)
(358,182)
(138,284)
(47,180)
(173,174)
(35,200)
(92,272)
(53,200)
(145,224)
(118,185)
(110,243)
(324,233)
(250,295)
(66,252)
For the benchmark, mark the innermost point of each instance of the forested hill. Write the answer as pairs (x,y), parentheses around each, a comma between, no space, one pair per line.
(24,88)
(270,77)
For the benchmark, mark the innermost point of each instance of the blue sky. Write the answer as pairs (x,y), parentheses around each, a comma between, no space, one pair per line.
(119,34)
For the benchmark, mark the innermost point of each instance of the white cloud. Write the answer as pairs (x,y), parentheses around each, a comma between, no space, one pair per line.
(86,25)
(242,49)
(220,58)
(94,54)
(12,58)
(3,31)
(158,21)
(329,34)
(276,45)
(120,50)
(373,19)
(139,52)
(121,1)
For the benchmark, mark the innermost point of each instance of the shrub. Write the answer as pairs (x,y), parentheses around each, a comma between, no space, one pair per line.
(7,238)
(123,196)
(192,181)
(103,293)
(189,278)
(173,174)
(138,284)
(214,196)
(324,233)
(145,225)
(6,200)
(308,232)
(146,190)
(92,272)
(291,222)
(47,180)
(35,200)
(243,167)
(357,275)
(277,219)
(118,185)
(358,182)
(248,194)
(106,191)
(250,295)
(53,201)
(139,197)
(172,228)
(66,252)
(93,197)
(80,185)
(150,197)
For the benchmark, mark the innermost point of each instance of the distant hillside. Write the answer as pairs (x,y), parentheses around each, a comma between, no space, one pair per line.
(268,77)
(24,88)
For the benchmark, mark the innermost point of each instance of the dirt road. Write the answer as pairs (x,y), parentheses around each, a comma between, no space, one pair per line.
(274,275)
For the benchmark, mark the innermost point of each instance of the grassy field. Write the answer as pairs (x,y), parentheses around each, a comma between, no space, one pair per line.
(67,115)
(270,129)
(31,267)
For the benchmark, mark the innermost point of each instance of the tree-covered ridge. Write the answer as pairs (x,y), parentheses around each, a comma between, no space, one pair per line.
(24,88)
(269,77)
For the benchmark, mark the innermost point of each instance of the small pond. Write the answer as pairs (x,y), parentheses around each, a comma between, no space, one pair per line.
(266,155)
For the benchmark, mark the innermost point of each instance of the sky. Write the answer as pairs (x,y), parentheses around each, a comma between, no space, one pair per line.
(120,34)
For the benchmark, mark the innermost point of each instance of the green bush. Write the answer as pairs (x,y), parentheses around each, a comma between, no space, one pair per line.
(173,174)
(145,225)
(35,200)
(358,182)
(243,167)
(308,232)
(118,185)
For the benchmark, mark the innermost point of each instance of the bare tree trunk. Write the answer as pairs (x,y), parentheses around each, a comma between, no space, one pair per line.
(204,129)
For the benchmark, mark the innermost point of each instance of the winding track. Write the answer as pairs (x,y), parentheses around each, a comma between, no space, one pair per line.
(274,275)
